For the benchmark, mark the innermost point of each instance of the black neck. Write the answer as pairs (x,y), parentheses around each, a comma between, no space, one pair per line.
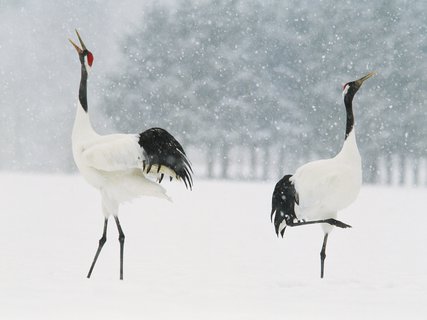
(83,88)
(348,101)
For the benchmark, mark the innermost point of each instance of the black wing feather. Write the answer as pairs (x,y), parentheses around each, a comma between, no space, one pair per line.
(283,203)
(162,149)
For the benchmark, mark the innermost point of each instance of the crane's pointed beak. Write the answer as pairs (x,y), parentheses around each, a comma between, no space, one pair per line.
(361,80)
(81,41)
(79,50)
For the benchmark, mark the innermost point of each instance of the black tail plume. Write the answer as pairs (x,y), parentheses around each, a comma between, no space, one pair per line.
(283,203)
(162,149)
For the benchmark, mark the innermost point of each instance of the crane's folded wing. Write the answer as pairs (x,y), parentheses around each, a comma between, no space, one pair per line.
(115,152)
(154,151)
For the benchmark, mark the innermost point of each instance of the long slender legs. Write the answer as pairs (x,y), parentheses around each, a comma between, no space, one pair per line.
(122,244)
(323,255)
(101,244)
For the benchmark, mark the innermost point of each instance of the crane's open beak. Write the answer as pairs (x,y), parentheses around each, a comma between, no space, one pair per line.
(361,80)
(81,43)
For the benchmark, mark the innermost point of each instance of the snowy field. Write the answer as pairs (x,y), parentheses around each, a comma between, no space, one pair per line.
(212,254)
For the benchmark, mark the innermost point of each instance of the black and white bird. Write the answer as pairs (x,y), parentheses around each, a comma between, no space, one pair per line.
(120,165)
(319,189)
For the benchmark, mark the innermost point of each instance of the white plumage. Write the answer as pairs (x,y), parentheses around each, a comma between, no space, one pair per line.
(327,186)
(319,189)
(113,164)
(123,166)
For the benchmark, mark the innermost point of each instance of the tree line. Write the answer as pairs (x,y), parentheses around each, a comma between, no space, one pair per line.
(266,77)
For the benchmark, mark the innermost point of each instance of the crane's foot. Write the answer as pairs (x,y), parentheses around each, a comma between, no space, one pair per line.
(337,223)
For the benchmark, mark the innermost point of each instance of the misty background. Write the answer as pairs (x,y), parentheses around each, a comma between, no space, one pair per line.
(252,89)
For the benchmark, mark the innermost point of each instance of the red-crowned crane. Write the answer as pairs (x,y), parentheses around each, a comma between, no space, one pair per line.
(119,164)
(319,189)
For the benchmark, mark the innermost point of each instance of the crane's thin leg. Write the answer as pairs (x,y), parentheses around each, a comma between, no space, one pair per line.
(331,221)
(323,255)
(101,244)
(122,245)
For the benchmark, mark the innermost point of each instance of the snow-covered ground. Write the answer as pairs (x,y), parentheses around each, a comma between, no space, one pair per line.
(212,254)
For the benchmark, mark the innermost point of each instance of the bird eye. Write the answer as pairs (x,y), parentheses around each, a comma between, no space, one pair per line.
(90,59)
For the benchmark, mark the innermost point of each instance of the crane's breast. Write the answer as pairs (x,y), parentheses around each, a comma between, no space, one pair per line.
(327,186)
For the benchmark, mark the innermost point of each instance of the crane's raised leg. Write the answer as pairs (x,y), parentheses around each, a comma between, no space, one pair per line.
(101,244)
(332,222)
(122,245)
(323,255)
